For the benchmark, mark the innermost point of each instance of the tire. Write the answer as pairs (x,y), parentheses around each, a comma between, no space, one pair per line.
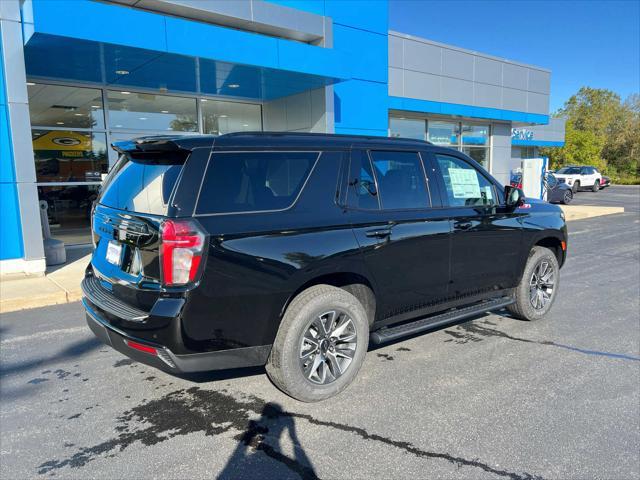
(567,197)
(596,186)
(285,364)
(576,186)
(524,307)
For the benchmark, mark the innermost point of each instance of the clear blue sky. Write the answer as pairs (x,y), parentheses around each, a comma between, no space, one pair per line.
(592,43)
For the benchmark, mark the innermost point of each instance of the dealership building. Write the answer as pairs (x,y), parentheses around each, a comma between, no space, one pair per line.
(77,75)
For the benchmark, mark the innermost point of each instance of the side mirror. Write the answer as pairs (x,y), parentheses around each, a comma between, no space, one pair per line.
(514,197)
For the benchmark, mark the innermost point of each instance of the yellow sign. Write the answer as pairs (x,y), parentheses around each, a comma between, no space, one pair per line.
(63,140)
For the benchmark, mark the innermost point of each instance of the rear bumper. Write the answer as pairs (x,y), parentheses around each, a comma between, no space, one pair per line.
(165,359)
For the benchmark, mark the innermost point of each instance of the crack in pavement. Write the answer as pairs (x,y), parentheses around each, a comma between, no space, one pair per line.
(216,412)
(474,332)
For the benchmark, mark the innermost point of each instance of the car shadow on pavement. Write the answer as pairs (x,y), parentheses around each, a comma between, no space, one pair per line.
(219,375)
(261,444)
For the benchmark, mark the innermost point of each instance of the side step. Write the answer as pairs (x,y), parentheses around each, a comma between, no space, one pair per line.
(388,334)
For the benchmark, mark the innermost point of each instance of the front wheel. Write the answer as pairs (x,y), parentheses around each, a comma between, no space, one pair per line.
(567,197)
(320,345)
(538,287)
(596,186)
(576,187)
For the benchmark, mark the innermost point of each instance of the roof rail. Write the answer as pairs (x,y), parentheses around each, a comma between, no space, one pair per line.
(323,135)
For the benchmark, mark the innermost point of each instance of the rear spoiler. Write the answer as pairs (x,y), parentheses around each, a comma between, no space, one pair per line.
(163,143)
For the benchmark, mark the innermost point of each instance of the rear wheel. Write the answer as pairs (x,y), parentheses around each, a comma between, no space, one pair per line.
(567,197)
(596,186)
(321,344)
(538,287)
(576,187)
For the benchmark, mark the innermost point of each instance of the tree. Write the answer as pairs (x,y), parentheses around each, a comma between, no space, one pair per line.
(601,131)
(583,147)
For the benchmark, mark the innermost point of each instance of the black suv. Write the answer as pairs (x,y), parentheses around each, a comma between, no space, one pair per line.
(297,250)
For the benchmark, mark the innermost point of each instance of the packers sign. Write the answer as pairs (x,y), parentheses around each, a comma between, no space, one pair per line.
(62,141)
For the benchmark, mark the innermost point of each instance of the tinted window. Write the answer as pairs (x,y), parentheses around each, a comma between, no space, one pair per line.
(363,191)
(464,184)
(254,181)
(401,180)
(142,185)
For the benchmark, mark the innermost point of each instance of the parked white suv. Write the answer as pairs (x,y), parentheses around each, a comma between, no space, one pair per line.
(580,177)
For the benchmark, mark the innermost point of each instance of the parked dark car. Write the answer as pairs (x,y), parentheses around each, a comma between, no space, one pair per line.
(295,251)
(557,192)
(605,182)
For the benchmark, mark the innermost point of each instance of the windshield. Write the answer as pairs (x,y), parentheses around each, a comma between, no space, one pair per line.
(142,185)
(569,171)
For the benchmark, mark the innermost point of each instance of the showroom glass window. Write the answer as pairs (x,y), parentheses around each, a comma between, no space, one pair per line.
(474,139)
(73,126)
(407,128)
(70,152)
(148,111)
(220,117)
(443,133)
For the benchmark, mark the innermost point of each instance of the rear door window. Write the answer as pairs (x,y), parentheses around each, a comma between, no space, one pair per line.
(238,182)
(143,182)
(401,180)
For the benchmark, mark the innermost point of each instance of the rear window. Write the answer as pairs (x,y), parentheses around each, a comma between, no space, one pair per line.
(253,181)
(143,184)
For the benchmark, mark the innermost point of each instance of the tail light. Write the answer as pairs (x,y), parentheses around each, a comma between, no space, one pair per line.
(181,249)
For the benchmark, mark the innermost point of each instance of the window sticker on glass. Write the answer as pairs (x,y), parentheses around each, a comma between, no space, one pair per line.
(488,194)
(464,183)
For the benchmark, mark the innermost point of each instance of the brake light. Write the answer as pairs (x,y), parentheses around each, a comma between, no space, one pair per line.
(181,249)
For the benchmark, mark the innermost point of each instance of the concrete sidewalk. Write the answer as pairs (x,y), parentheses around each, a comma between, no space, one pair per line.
(62,284)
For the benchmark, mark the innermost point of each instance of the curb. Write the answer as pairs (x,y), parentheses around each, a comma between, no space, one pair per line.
(580,212)
(56,295)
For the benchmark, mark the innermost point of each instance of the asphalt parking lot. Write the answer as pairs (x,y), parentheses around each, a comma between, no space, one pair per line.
(491,398)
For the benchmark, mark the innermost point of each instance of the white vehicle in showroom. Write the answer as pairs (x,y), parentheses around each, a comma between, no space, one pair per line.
(578,178)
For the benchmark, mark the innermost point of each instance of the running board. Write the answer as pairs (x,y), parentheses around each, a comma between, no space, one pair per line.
(393,333)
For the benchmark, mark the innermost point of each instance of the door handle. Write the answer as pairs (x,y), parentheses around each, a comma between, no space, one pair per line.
(463,225)
(385,233)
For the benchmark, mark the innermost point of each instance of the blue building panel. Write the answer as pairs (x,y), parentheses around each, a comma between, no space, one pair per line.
(371,15)
(100,22)
(10,227)
(220,43)
(360,104)
(11,245)
(367,52)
